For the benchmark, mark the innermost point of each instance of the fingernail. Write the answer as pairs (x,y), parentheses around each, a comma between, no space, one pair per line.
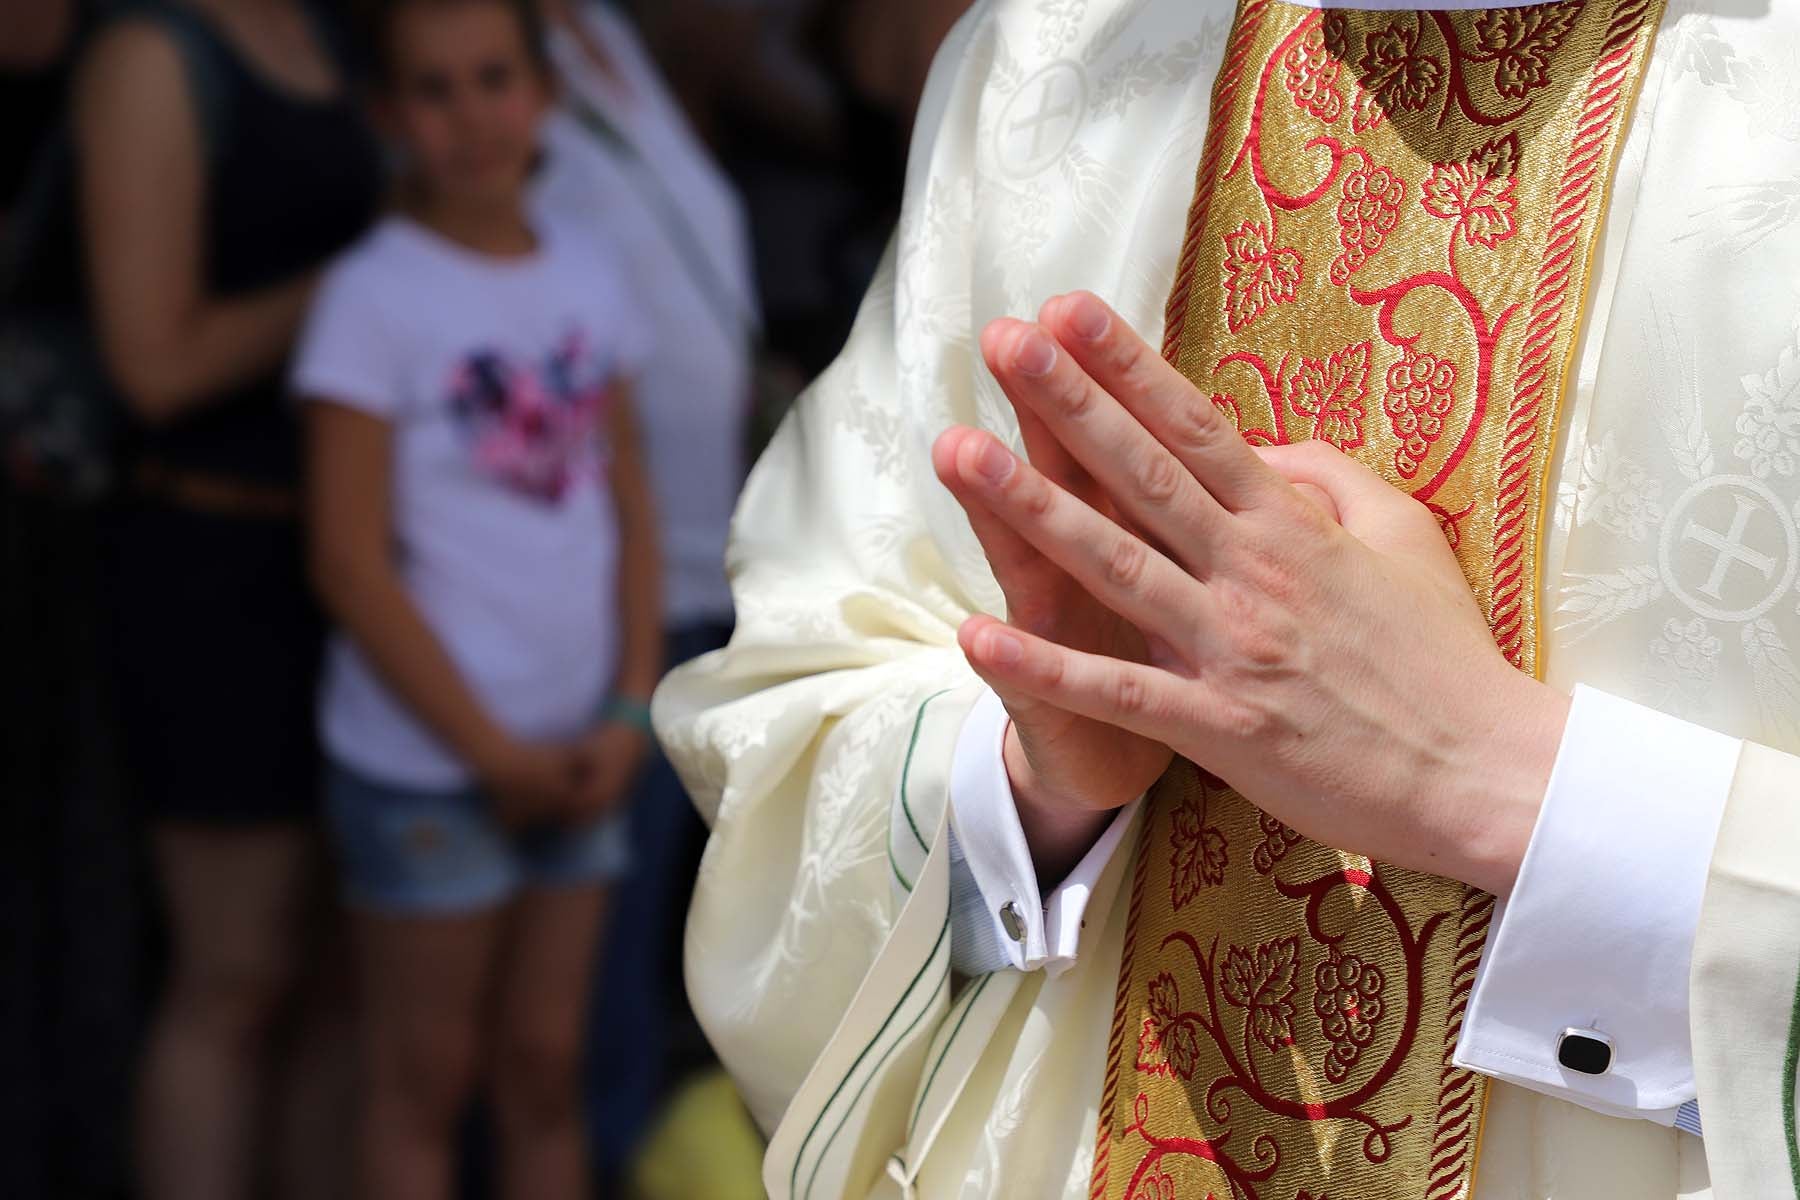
(993,461)
(1087,316)
(1002,648)
(1034,354)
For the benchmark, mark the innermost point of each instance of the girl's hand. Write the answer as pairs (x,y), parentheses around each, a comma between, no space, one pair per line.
(1340,676)
(609,760)
(531,782)
(1068,771)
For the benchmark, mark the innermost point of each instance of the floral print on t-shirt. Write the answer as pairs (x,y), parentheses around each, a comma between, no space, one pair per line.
(534,428)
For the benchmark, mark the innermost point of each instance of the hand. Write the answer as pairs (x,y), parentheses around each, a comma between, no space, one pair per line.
(1340,676)
(1068,771)
(531,782)
(609,758)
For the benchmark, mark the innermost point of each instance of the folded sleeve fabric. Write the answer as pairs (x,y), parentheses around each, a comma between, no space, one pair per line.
(998,917)
(1583,990)
(1743,989)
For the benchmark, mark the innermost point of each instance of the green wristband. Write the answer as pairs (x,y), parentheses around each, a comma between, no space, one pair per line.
(627,711)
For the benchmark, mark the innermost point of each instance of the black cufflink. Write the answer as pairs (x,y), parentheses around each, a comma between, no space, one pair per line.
(1586,1051)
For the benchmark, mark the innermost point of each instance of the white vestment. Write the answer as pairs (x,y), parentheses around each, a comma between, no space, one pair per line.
(1056,150)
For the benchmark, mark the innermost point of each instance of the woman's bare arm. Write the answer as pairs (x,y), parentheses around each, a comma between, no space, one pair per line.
(170,346)
(33,33)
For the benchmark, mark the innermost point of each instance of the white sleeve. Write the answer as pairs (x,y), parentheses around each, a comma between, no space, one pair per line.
(347,353)
(1599,930)
(998,918)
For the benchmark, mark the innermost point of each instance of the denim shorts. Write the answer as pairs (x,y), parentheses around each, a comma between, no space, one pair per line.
(404,850)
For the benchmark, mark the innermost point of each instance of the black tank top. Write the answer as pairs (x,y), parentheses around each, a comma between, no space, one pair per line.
(294,181)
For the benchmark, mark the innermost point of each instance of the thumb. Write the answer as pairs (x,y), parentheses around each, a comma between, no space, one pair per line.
(1321,498)
(1345,482)
(1366,505)
(1020,706)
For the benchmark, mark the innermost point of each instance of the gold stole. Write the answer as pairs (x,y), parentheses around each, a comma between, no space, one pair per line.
(1388,248)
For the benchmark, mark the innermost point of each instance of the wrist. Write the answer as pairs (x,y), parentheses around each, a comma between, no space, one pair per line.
(630,711)
(488,751)
(1504,777)
(1058,830)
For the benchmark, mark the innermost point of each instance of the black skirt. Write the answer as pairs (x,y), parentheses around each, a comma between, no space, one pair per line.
(217,646)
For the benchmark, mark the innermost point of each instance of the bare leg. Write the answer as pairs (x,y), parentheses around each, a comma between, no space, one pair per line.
(235,901)
(551,945)
(425,983)
(315,1112)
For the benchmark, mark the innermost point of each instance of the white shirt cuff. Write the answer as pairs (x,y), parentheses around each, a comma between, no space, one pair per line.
(989,852)
(1599,930)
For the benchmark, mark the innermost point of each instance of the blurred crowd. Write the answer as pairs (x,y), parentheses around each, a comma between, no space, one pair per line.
(377,378)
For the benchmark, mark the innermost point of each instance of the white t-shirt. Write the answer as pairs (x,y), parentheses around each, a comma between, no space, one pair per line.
(496,375)
(694,393)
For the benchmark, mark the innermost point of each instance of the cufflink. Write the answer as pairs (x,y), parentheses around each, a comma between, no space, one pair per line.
(1012,921)
(1586,1051)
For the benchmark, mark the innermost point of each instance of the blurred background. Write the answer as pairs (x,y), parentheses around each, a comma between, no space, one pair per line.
(175,992)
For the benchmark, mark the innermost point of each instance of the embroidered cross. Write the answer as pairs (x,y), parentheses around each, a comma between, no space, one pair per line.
(1730,547)
(1045,115)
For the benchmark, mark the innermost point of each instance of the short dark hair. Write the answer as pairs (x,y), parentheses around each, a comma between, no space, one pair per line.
(378,24)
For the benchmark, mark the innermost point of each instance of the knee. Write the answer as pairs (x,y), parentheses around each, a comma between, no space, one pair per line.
(232,1004)
(537,1077)
(421,1078)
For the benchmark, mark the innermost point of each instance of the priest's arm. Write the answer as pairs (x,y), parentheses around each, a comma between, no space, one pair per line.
(1659,851)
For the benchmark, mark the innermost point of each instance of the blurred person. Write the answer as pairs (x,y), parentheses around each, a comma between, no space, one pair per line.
(222,159)
(483,534)
(622,157)
(887,48)
(818,167)
(36,38)
(737,62)
(72,955)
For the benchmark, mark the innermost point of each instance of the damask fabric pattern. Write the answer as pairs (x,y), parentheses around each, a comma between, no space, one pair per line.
(1287,1013)
(1057,147)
